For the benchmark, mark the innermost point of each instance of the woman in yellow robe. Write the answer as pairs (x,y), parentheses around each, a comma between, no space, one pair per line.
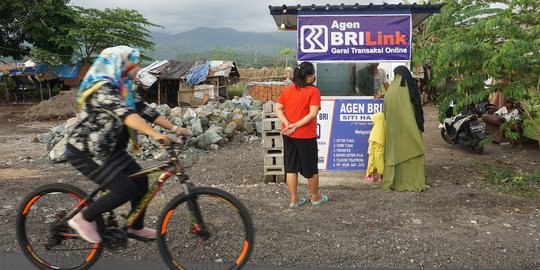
(376,148)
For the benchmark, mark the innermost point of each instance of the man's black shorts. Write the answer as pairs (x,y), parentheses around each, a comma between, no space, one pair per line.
(300,156)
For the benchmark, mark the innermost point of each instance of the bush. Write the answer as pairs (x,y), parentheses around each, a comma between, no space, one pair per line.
(514,181)
(236,90)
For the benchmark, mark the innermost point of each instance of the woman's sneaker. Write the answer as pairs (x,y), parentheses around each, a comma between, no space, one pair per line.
(85,229)
(144,232)
(369,179)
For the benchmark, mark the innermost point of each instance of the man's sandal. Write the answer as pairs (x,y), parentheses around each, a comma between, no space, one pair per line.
(298,204)
(323,199)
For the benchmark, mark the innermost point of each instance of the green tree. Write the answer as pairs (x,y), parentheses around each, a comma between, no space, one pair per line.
(473,41)
(95,30)
(34,23)
(285,52)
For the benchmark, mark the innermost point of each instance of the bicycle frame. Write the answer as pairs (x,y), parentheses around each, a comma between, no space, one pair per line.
(171,168)
(152,190)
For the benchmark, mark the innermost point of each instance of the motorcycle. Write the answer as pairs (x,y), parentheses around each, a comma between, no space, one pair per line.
(465,130)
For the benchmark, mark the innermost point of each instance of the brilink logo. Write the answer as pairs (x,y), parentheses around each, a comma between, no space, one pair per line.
(314,38)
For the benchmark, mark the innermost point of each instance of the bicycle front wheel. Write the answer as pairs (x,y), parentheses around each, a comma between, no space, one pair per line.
(45,239)
(224,240)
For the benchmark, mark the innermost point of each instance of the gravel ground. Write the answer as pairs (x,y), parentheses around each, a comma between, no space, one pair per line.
(458,222)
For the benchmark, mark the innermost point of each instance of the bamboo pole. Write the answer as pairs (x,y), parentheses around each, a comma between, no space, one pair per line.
(159,92)
(40,89)
(7,89)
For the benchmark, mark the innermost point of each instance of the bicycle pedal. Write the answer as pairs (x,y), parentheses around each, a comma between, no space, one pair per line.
(139,238)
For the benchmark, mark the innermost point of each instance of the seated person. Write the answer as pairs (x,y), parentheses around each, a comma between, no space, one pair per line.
(370,80)
(506,113)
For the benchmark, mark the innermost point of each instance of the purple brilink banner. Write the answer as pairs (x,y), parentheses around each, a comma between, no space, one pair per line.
(354,38)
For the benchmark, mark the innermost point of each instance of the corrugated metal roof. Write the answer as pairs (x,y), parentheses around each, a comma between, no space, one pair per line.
(155,64)
(176,69)
(285,16)
(222,68)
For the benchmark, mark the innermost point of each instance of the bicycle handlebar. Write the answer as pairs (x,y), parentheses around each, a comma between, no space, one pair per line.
(179,140)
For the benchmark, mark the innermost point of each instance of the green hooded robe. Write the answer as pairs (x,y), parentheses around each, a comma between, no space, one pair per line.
(404,146)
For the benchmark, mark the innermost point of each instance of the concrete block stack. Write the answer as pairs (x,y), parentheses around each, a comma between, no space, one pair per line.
(272,145)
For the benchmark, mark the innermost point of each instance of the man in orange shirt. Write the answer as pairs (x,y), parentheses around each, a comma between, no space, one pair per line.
(297,108)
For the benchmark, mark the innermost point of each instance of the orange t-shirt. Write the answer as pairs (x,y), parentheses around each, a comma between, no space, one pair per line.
(296,103)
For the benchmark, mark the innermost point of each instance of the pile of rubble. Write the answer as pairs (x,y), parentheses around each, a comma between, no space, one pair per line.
(211,126)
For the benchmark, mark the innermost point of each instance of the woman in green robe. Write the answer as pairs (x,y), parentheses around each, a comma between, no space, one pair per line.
(404,149)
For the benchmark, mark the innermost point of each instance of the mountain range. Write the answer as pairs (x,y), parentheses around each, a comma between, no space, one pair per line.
(253,48)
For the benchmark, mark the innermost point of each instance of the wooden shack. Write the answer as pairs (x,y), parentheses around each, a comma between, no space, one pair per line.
(174,86)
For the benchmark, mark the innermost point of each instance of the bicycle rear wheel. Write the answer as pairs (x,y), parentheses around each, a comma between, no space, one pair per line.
(46,240)
(228,242)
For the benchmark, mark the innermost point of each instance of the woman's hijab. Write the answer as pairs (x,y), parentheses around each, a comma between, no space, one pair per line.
(112,66)
(414,94)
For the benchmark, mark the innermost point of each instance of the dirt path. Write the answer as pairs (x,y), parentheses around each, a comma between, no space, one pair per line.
(459,222)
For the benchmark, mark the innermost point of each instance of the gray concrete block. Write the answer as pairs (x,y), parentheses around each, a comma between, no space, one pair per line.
(271,133)
(274,170)
(271,124)
(274,141)
(274,178)
(274,151)
(266,115)
(268,107)
(273,160)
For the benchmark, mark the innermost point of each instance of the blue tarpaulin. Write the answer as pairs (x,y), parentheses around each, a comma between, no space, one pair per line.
(20,71)
(197,74)
(65,71)
(62,71)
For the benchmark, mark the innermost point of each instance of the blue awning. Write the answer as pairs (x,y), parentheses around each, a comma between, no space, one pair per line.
(66,71)
(22,71)
(62,70)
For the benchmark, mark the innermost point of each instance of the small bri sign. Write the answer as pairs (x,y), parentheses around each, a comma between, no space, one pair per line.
(344,126)
(354,38)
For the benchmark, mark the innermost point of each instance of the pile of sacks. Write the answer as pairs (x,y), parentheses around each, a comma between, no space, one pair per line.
(211,126)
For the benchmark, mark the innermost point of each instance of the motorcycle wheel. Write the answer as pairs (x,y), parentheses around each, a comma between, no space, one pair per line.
(445,137)
(478,148)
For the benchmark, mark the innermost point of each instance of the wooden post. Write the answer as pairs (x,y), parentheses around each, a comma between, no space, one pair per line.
(166,92)
(7,89)
(178,94)
(159,92)
(49,88)
(40,89)
(226,80)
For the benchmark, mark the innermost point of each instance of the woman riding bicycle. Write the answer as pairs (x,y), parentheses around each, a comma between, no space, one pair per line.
(111,113)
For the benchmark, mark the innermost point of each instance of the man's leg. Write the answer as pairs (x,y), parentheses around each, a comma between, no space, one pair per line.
(313,183)
(292,184)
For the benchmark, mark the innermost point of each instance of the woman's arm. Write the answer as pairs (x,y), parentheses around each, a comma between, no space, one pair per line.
(166,124)
(280,114)
(151,115)
(313,111)
(136,122)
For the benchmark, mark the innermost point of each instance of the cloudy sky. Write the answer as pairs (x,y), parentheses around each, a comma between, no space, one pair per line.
(182,15)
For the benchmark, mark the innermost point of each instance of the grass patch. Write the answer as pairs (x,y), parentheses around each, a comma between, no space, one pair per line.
(514,181)
(430,182)
(236,90)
